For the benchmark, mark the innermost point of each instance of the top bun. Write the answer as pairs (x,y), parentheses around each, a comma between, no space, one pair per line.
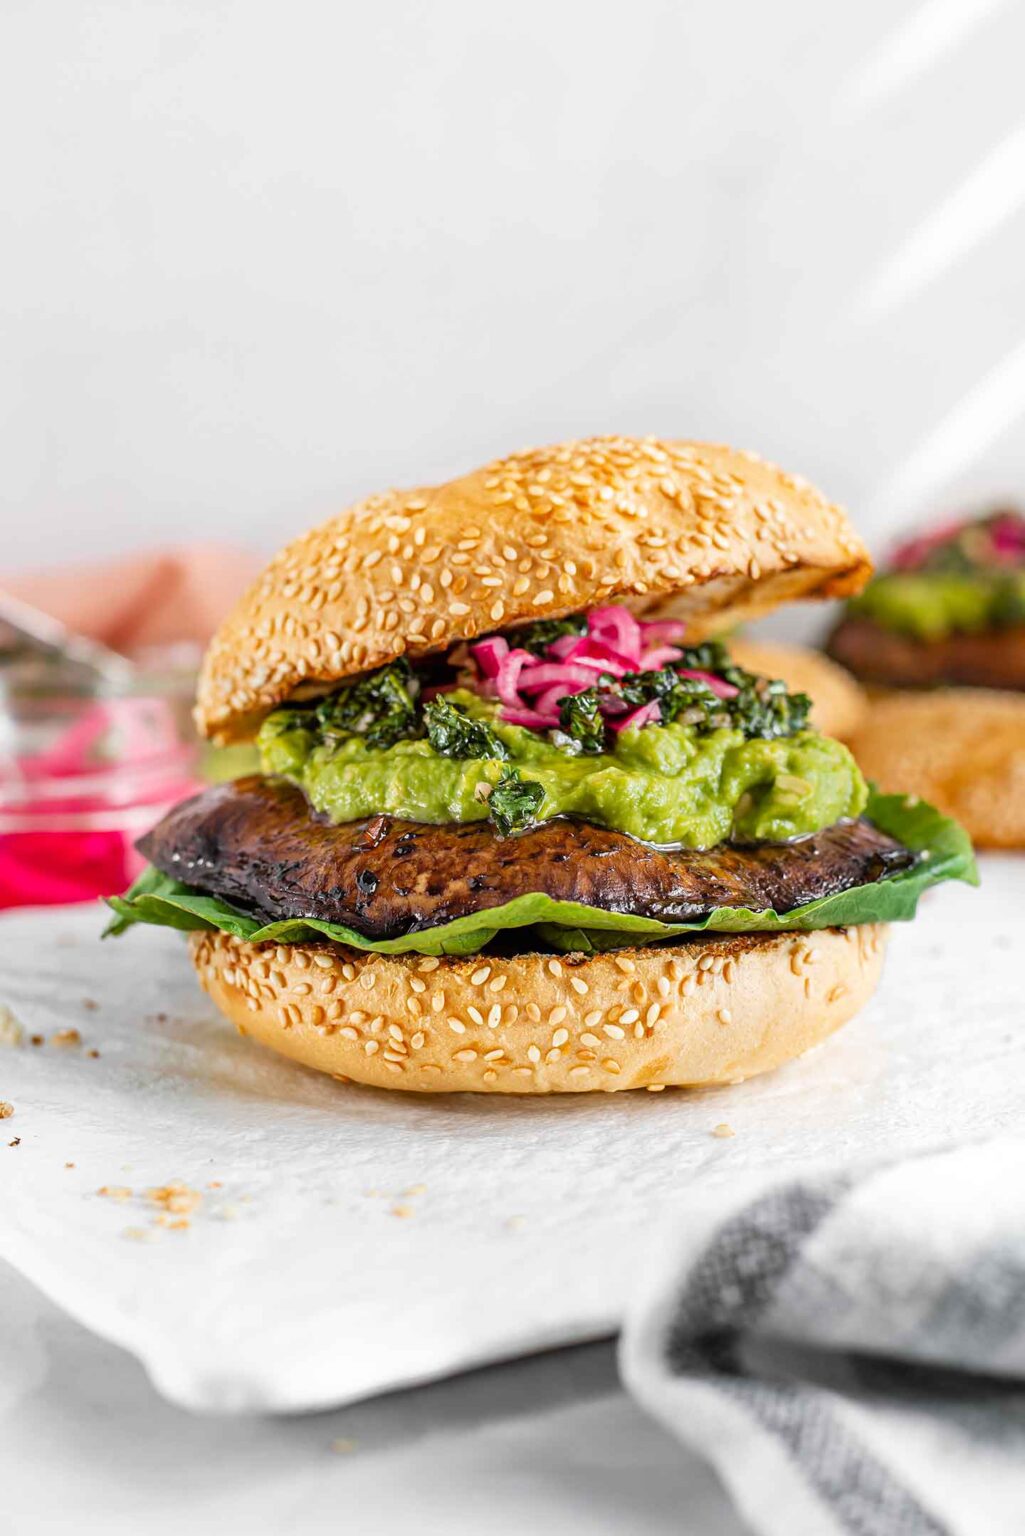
(705,532)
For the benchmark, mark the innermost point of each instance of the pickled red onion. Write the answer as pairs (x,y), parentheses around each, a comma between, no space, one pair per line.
(645,714)
(719,686)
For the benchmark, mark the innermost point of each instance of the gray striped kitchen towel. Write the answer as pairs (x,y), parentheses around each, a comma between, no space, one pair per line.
(848,1349)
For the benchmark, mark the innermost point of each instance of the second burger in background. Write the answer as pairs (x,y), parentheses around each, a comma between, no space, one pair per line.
(940,637)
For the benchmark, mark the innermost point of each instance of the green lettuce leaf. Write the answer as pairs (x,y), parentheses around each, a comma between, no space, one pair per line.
(943,847)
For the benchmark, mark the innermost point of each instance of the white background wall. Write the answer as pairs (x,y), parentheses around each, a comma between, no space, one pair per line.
(258,258)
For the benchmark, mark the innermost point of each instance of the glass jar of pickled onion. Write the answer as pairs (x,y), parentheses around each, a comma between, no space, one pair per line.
(87,764)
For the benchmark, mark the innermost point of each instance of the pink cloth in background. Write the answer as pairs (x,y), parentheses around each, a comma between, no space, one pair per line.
(142,600)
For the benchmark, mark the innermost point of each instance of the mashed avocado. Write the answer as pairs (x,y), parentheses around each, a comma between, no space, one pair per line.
(931,605)
(663,784)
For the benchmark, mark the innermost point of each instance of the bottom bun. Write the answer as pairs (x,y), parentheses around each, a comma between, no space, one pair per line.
(962,749)
(717,1009)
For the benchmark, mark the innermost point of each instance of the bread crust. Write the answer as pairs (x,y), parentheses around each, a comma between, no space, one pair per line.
(839,702)
(962,749)
(547,532)
(716,1010)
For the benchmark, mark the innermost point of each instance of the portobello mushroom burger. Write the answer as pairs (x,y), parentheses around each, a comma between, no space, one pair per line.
(940,639)
(522,824)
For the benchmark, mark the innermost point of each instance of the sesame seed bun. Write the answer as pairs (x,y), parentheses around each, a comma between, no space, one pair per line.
(716,1010)
(719,535)
(962,749)
(839,703)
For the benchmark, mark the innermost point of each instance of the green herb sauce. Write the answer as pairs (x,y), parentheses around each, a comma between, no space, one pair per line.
(662,784)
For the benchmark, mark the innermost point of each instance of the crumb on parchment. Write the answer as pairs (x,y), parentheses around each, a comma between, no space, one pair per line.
(6,1109)
(723,1130)
(63,1038)
(175,1202)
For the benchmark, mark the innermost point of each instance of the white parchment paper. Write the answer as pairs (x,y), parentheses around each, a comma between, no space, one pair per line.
(349,1240)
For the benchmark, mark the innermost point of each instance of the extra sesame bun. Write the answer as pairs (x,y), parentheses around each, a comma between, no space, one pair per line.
(962,749)
(716,535)
(839,703)
(716,1010)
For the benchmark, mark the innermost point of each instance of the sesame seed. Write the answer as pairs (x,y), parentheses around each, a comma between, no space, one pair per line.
(630,1016)
(467,1055)
(557,1014)
(417,985)
(480,976)
(625,965)
(475,1015)
(457,1026)
(560,1037)
(592,1018)
(533,1053)
(579,986)
(555,966)
(614,1032)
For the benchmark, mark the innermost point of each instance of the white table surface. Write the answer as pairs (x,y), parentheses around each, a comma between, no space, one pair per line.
(549,1444)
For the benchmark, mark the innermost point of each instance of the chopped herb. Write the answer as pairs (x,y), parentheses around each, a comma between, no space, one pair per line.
(514,802)
(536,638)
(381,708)
(581,719)
(709,656)
(763,708)
(454,733)
(686,699)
